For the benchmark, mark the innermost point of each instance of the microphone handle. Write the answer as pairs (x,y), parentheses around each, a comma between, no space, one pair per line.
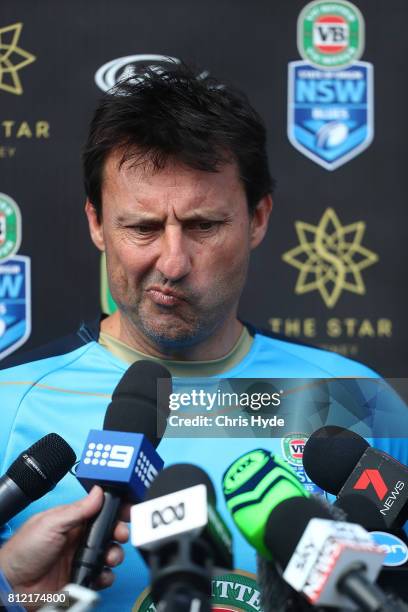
(89,560)
(181,597)
(12,499)
(368,596)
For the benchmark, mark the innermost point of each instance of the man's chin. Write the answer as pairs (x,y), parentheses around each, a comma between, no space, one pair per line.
(172,336)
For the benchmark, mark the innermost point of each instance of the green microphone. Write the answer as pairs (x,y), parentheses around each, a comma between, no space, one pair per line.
(254,485)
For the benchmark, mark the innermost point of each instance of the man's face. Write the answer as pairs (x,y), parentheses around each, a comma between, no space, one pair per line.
(177,245)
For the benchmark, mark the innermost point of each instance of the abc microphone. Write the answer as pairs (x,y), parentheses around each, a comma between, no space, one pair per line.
(33,474)
(122,462)
(182,537)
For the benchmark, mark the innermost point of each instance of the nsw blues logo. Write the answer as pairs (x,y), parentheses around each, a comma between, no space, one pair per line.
(330,113)
(15,303)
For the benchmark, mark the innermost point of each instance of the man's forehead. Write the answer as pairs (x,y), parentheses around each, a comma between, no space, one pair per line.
(136,173)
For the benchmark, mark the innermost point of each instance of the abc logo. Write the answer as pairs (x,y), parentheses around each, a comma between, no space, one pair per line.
(168,515)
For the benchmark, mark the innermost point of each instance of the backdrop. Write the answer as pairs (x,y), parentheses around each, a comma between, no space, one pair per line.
(329,80)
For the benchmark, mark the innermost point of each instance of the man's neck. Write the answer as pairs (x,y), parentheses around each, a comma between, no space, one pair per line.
(217,345)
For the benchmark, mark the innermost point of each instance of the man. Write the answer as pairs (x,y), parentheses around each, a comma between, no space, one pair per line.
(38,558)
(178,195)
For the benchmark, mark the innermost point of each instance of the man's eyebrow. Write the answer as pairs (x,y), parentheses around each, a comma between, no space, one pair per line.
(138,217)
(199,215)
(195,215)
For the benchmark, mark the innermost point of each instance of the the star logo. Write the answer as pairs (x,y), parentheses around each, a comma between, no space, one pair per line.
(12,59)
(330,257)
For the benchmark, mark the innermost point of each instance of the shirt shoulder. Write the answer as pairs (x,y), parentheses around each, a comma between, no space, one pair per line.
(53,383)
(282,357)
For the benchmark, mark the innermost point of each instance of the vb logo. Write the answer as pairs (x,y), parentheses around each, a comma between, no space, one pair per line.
(168,515)
(374,478)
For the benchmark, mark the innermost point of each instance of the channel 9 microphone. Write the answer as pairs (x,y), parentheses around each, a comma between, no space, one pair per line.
(342,463)
(35,472)
(182,537)
(122,458)
(332,563)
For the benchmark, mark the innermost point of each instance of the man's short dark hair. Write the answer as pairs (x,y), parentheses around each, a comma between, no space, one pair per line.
(177,115)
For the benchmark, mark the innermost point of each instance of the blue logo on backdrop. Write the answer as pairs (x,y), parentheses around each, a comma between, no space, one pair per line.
(15,303)
(330,113)
(396,550)
(308,484)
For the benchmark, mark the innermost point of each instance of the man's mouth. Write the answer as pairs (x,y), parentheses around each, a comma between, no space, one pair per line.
(165,297)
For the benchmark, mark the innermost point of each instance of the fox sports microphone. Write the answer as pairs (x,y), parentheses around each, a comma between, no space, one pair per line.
(33,474)
(276,594)
(124,463)
(343,463)
(182,538)
(332,563)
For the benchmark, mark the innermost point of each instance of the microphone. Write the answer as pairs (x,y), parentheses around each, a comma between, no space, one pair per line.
(343,463)
(254,484)
(350,461)
(122,462)
(332,563)
(33,474)
(182,537)
(276,594)
(363,511)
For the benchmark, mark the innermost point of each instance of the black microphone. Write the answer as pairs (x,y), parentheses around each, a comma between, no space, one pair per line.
(182,538)
(33,474)
(394,573)
(127,463)
(343,463)
(276,594)
(336,574)
(350,461)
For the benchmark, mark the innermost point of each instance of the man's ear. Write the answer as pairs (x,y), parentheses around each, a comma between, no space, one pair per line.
(259,220)
(95,228)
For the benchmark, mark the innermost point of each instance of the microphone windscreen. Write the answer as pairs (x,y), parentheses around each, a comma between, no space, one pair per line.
(37,469)
(287,523)
(136,405)
(177,477)
(276,594)
(330,455)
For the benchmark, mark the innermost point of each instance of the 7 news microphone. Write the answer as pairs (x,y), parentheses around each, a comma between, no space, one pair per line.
(34,473)
(371,487)
(332,563)
(182,537)
(342,463)
(120,460)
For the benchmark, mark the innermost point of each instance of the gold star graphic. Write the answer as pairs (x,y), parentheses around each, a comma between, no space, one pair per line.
(330,257)
(12,59)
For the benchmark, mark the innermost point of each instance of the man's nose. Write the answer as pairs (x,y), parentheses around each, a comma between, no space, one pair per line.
(174,261)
